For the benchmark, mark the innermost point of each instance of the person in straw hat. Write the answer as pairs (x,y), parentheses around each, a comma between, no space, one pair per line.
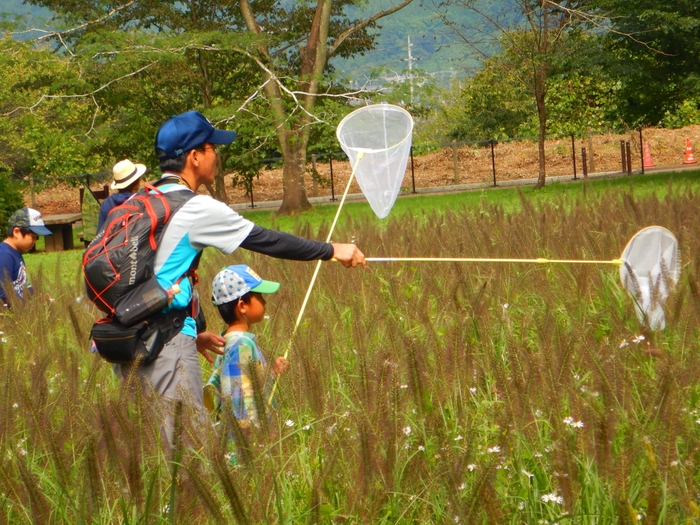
(127,180)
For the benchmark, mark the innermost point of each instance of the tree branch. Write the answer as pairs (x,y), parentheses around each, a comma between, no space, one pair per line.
(345,34)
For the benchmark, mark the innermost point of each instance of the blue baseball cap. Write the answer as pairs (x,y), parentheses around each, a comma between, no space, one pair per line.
(234,281)
(187,131)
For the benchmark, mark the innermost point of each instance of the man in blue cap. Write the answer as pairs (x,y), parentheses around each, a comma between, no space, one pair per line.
(186,146)
(23,229)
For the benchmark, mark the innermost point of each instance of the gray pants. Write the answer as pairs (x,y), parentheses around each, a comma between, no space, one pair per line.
(175,374)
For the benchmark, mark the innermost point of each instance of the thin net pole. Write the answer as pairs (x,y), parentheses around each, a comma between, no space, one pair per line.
(616,262)
(315,274)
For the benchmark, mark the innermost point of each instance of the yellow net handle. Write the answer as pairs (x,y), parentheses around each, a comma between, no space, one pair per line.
(540,260)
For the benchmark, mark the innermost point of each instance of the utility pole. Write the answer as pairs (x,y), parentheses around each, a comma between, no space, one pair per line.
(410,68)
(410,61)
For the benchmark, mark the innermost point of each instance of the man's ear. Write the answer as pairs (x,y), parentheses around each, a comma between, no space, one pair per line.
(193,157)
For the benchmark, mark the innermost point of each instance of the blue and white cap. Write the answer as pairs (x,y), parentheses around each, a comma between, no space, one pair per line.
(235,281)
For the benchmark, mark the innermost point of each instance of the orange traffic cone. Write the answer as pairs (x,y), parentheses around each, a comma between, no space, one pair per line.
(689,157)
(648,161)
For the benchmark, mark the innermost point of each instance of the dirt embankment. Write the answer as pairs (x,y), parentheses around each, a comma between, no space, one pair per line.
(462,164)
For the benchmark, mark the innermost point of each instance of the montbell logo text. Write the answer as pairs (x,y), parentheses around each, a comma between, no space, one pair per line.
(133,253)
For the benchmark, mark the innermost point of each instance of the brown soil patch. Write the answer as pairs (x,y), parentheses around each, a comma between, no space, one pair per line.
(513,160)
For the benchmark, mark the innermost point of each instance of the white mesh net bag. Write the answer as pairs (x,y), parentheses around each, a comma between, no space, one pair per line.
(650,269)
(377,140)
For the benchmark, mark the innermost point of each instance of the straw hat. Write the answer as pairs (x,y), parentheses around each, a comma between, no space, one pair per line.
(126,173)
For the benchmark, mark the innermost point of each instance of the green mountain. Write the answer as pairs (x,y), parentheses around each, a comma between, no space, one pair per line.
(434,48)
(24,16)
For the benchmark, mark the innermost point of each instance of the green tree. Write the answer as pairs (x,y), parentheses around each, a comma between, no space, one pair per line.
(525,39)
(653,48)
(219,55)
(45,129)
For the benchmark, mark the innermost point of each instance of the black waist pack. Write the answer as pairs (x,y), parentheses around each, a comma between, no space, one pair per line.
(142,341)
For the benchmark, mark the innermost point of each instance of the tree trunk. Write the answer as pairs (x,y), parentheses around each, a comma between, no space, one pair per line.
(294,199)
(542,117)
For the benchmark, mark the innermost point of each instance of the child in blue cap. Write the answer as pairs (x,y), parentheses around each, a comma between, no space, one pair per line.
(237,291)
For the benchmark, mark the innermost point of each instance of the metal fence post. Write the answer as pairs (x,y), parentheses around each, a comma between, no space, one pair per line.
(573,153)
(583,161)
(493,161)
(628,150)
(641,148)
(413,177)
(314,178)
(590,154)
(455,163)
(623,156)
(330,162)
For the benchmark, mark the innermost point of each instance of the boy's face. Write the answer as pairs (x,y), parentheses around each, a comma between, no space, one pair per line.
(23,243)
(255,309)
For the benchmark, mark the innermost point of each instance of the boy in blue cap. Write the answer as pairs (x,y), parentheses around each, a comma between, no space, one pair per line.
(23,229)
(237,293)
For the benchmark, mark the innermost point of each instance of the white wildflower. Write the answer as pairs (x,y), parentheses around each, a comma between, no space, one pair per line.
(521,505)
(528,474)
(15,405)
(471,467)
(289,423)
(421,448)
(459,438)
(462,486)
(624,343)
(4,340)
(403,386)
(493,450)
(552,498)
(674,463)
(638,339)
(407,431)
(472,390)
(306,427)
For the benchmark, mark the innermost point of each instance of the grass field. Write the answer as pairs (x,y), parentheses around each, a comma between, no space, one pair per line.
(418,393)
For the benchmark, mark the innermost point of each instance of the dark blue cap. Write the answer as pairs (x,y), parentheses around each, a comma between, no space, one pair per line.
(188,131)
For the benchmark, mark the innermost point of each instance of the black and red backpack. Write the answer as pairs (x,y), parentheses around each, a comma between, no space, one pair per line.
(118,267)
(118,263)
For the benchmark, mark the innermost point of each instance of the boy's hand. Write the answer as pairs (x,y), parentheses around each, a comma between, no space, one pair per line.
(281,366)
(349,255)
(212,342)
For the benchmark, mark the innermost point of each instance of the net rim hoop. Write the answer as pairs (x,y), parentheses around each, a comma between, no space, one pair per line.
(676,274)
(372,150)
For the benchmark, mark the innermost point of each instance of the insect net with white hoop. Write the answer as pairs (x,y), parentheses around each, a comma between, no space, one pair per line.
(650,269)
(377,140)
